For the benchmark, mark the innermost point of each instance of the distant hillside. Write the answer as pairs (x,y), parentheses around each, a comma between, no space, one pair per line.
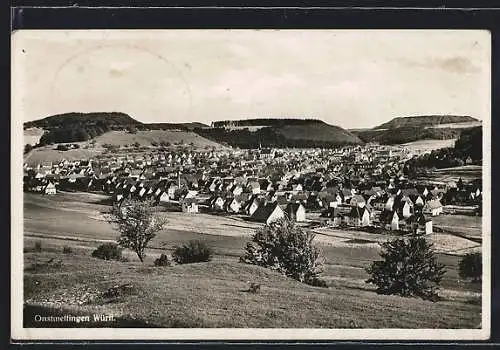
(299,133)
(78,127)
(407,134)
(409,129)
(424,120)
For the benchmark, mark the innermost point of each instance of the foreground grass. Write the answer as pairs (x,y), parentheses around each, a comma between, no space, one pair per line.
(215,294)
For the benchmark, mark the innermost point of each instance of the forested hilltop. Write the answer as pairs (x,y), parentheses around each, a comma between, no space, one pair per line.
(299,133)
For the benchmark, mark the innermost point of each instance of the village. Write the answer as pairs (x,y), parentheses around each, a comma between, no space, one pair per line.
(361,187)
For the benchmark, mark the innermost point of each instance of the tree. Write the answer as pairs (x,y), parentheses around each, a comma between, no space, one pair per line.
(285,247)
(27,148)
(471,266)
(409,268)
(137,223)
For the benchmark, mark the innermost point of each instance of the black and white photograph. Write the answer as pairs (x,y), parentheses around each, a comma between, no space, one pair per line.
(251,184)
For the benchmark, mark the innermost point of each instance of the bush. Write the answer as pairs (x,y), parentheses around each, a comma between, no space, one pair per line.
(67,250)
(471,266)
(27,148)
(192,252)
(316,282)
(38,246)
(108,251)
(154,143)
(409,268)
(62,148)
(162,260)
(286,248)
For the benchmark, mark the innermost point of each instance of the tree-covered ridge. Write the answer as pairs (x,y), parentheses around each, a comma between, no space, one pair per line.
(424,120)
(265,122)
(305,135)
(406,134)
(83,119)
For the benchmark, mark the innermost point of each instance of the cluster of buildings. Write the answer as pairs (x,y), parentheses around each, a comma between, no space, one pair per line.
(347,187)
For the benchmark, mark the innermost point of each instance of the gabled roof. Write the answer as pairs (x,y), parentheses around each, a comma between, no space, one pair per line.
(293,207)
(264,211)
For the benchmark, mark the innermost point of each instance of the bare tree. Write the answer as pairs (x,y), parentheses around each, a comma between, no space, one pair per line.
(137,223)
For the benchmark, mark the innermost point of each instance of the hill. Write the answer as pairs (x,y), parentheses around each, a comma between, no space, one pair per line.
(406,134)
(80,127)
(302,133)
(424,121)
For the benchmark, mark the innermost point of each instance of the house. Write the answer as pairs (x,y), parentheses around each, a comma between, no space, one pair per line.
(332,216)
(358,201)
(268,212)
(433,207)
(189,205)
(216,203)
(296,211)
(163,197)
(390,219)
(359,217)
(232,205)
(50,188)
(254,187)
(420,224)
(252,205)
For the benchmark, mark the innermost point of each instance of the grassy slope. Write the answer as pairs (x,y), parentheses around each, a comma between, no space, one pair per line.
(213,295)
(213,291)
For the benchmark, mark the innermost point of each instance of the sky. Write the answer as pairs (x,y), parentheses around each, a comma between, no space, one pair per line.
(349,78)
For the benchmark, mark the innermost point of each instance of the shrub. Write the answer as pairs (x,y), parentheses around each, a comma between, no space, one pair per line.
(162,260)
(409,268)
(136,144)
(471,266)
(62,148)
(192,252)
(108,251)
(67,250)
(38,246)
(316,282)
(27,148)
(154,143)
(285,247)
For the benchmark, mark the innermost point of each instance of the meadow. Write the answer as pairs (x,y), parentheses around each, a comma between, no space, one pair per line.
(214,294)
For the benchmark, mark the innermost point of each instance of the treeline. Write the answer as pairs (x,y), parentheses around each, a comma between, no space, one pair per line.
(468,148)
(265,122)
(265,137)
(406,134)
(83,119)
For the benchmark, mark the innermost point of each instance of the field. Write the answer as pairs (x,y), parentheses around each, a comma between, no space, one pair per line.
(47,154)
(144,138)
(466,172)
(422,146)
(32,135)
(214,294)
